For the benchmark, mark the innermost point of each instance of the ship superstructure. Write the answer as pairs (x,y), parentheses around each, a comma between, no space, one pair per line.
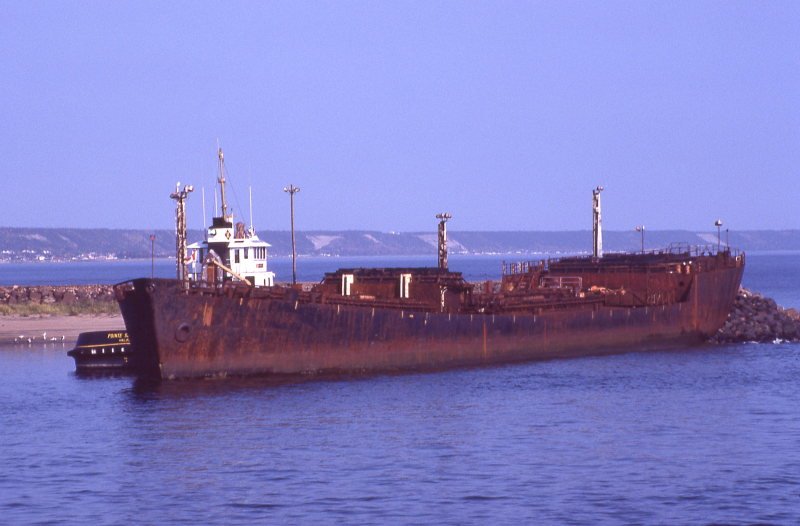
(230,251)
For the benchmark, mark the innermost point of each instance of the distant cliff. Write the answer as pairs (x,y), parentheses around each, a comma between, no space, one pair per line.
(30,244)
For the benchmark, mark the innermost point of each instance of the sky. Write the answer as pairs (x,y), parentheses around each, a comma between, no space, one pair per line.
(505,114)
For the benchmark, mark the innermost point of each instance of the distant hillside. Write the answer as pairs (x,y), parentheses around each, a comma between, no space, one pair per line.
(26,244)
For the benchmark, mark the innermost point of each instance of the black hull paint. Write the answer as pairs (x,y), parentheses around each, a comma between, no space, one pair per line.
(102,351)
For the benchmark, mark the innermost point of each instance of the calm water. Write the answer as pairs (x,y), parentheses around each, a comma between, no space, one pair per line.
(691,436)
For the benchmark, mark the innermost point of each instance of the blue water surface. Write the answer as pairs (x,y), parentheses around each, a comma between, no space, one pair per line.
(700,436)
(703,435)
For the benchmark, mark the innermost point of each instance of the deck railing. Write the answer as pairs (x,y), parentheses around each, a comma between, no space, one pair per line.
(674,249)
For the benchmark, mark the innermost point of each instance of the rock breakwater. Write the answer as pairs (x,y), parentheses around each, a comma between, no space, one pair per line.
(756,318)
(60,295)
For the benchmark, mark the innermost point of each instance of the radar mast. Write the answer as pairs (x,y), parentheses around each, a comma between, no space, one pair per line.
(221,181)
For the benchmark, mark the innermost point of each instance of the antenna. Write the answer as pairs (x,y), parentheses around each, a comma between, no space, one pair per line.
(252,228)
(215,198)
(250,188)
(205,221)
(216,204)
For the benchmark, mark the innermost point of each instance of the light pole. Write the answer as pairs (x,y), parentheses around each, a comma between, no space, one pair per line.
(291,190)
(152,255)
(718,224)
(640,229)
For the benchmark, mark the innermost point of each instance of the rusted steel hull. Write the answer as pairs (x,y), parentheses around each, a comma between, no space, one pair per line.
(182,334)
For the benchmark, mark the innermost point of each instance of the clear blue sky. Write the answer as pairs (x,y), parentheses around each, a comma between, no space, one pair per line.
(506,114)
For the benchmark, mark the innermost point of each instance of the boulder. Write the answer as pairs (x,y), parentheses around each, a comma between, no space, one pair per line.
(755,318)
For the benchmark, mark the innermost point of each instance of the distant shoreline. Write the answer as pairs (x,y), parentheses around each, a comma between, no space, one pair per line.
(98,244)
(452,254)
(455,255)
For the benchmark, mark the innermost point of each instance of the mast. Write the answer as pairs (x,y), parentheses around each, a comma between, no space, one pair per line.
(180,228)
(597,224)
(443,217)
(221,181)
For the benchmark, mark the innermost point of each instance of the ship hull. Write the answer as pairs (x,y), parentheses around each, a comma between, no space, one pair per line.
(102,351)
(103,364)
(181,334)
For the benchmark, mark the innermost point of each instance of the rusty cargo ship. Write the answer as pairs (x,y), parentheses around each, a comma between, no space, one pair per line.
(216,322)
